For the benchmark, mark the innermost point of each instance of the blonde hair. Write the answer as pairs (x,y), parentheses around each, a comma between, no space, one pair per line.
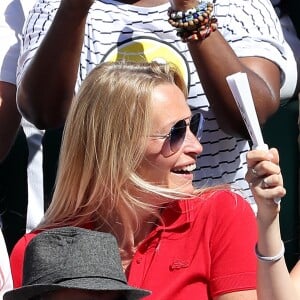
(103,145)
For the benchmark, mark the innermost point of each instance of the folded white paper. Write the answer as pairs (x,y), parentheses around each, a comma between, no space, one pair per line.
(240,88)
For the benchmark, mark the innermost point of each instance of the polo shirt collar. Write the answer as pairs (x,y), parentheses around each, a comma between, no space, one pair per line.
(178,213)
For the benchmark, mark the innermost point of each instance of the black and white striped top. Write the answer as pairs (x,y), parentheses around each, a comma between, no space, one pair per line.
(115,30)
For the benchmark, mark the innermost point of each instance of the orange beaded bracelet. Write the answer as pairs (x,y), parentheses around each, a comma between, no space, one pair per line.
(197,35)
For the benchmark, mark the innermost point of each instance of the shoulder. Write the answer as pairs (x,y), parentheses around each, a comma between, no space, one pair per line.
(227,218)
(24,241)
(224,206)
(223,198)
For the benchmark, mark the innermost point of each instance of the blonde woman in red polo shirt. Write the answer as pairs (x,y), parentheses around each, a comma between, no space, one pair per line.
(129,149)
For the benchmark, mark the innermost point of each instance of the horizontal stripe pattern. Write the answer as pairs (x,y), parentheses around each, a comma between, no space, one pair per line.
(250,26)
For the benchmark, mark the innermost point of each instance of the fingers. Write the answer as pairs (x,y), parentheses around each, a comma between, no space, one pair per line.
(273,180)
(267,191)
(266,183)
(259,155)
(264,176)
(263,170)
(262,163)
(270,193)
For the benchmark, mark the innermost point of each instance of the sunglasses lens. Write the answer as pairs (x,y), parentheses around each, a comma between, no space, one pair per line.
(178,131)
(177,135)
(196,125)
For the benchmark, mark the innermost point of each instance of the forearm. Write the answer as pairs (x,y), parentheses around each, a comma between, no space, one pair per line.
(274,280)
(266,183)
(295,276)
(9,117)
(47,87)
(215,60)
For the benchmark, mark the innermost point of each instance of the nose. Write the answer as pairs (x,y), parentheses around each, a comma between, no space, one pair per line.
(192,143)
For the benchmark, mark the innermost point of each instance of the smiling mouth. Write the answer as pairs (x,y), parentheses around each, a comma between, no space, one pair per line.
(184,170)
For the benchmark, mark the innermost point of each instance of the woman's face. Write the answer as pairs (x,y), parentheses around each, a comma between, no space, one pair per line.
(161,165)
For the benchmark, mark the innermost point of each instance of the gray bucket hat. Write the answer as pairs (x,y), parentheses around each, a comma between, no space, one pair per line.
(72,257)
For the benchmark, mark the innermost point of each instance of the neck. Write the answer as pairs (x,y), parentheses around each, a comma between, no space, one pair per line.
(146,226)
(137,238)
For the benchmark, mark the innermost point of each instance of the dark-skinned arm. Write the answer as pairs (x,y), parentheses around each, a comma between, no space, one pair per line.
(215,60)
(9,117)
(214,66)
(46,89)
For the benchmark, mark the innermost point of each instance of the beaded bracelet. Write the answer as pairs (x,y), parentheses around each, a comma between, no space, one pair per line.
(196,35)
(194,24)
(200,35)
(270,258)
(191,18)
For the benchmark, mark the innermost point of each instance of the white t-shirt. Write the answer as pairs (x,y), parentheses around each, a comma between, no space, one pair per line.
(6,283)
(12,17)
(115,30)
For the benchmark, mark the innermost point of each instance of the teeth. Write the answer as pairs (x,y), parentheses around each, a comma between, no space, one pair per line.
(189,168)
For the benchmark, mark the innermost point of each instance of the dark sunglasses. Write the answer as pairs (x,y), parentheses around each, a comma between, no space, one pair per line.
(177,133)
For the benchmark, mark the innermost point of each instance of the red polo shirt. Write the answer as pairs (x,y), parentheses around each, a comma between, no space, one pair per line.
(205,248)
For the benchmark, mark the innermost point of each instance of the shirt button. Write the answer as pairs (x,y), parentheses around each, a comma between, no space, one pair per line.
(139,260)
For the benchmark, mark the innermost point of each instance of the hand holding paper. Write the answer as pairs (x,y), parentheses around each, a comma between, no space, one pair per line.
(240,89)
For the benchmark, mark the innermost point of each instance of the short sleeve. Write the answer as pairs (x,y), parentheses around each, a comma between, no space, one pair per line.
(252,28)
(233,238)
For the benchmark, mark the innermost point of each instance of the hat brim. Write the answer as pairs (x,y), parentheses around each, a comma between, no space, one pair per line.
(90,284)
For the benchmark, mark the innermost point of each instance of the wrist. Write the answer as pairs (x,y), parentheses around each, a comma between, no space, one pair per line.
(270,258)
(76,8)
(268,212)
(193,24)
(267,222)
(183,6)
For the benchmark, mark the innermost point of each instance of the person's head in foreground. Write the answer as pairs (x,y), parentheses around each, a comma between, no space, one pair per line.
(73,263)
(129,148)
